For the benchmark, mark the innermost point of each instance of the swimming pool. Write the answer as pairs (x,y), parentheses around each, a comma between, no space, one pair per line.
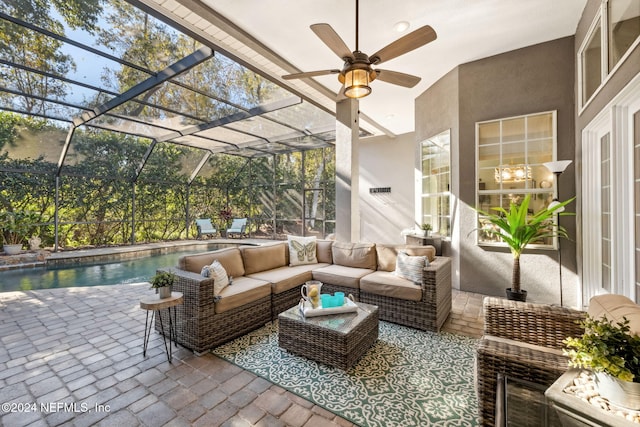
(121,272)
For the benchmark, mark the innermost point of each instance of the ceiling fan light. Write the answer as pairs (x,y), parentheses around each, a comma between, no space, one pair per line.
(356,83)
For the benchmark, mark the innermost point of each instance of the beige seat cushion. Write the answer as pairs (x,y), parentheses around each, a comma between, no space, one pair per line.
(387,254)
(230,259)
(340,275)
(285,278)
(242,291)
(615,307)
(263,257)
(356,255)
(388,284)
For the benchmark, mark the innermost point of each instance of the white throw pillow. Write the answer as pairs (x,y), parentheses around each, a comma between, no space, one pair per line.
(410,267)
(219,276)
(302,250)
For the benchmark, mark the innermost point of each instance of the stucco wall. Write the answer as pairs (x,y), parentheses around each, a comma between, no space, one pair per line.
(530,80)
(387,162)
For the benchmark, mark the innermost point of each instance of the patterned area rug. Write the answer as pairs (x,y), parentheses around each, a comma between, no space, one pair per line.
(408,378)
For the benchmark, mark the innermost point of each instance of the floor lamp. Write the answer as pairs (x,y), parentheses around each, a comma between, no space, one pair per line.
(557,168)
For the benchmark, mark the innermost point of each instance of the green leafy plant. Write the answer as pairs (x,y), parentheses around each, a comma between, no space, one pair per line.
(162,279)
(606,347)
(17,226)
(426,227)
(517,229)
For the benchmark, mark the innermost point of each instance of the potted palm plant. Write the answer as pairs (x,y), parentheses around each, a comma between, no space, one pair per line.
(612,353)
(16,226)
(517,229)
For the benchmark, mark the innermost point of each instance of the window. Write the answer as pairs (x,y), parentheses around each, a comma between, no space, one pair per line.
(624,28)
(510,156)
(436,178)
(613,33)
(591,59)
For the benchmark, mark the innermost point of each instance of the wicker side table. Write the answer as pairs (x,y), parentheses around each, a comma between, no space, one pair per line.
(338,339)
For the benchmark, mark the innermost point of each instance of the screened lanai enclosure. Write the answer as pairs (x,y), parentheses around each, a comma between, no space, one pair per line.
(118,128)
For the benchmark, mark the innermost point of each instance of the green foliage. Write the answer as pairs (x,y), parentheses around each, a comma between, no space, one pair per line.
(518,229)
(606,347)
(17,226)
(426,227)
(162,279)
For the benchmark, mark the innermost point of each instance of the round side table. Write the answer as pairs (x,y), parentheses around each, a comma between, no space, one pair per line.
(154,305)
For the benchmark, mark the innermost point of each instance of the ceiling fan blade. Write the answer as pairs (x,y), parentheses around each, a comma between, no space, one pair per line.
(310,74)
(396,78)
(332,40)
(405,44)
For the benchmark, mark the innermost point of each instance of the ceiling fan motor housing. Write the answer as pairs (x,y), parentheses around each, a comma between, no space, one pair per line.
(360,61)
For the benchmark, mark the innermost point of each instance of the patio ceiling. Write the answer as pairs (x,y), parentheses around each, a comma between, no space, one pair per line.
(274,36)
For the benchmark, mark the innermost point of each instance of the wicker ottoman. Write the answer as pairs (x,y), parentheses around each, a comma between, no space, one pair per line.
(337,339)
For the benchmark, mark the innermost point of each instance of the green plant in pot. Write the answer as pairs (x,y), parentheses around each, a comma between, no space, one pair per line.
(517,228)
(612,352)
(16,227)
(426,228)
(162,282)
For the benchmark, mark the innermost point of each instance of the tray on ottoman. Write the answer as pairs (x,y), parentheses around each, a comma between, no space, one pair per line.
(337,340)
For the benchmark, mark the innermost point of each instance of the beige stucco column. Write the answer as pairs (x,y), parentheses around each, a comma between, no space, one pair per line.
(347,171)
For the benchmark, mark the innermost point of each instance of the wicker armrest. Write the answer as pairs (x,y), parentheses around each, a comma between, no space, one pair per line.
(538,324)
(195,288)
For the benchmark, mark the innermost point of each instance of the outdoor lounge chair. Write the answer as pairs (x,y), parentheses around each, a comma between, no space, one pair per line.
(238,227)
(205,227)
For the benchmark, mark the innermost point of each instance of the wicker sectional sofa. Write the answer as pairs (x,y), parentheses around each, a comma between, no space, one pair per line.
(264,284)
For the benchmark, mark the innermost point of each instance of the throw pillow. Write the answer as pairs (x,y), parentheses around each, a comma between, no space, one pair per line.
(219,276)
(410,267)
(302,250)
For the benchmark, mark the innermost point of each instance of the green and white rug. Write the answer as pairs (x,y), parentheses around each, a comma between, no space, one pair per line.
(408,378)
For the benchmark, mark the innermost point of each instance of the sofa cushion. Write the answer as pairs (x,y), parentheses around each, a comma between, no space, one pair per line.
(615,307)
(243,291)
(387,254)
(302,250)
(356,255)
(230,259)
(263,257)
(388,284)
(285,278)
(340,275)
(323,251)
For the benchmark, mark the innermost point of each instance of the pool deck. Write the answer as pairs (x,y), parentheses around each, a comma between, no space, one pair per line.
(77,354)
(40,258)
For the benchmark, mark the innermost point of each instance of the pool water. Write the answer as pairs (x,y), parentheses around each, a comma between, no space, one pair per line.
(121,272)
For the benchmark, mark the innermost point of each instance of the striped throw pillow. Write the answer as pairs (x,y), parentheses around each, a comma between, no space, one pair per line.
(219,276)
(410,267)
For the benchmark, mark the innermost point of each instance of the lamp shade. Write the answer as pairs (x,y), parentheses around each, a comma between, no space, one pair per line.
(558,166)
(553,204)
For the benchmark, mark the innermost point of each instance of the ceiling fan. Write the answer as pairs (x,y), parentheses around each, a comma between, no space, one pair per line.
(357,71)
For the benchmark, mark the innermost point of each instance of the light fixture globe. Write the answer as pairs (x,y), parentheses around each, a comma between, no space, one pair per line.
(356,83)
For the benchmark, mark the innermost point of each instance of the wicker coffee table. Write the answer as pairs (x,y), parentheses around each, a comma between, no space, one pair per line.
(337,339)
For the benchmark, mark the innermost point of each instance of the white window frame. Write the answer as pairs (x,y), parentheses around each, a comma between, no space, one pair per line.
(436,195)
(617,120)
(480,193)
(601,18)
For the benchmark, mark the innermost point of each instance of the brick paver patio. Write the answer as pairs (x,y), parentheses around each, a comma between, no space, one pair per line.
(73,357)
